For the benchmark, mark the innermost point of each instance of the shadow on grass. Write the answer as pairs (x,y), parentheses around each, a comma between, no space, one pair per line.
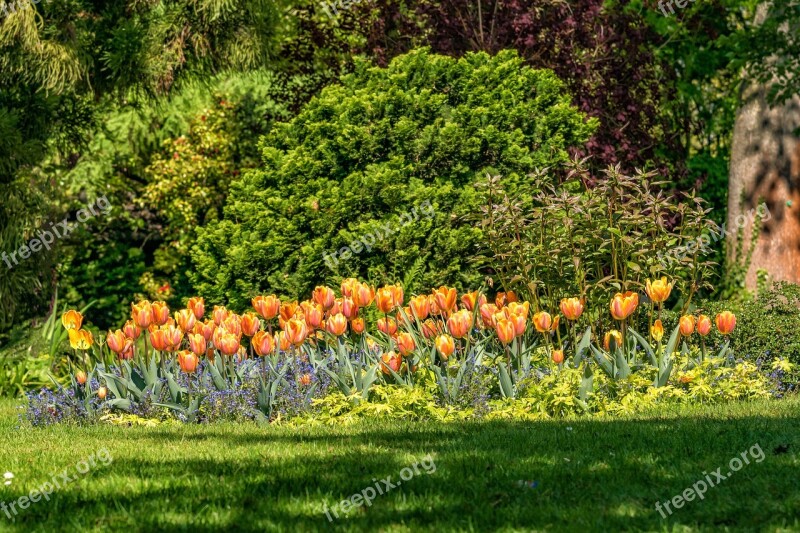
(581,475)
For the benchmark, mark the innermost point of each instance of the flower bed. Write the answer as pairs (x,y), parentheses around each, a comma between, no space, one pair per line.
(336,359)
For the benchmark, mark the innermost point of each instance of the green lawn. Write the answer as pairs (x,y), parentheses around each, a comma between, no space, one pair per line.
(589,475)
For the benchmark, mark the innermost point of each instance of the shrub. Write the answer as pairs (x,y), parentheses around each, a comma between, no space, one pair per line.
(165,167)
(582,238)
(385,142)
(766,326)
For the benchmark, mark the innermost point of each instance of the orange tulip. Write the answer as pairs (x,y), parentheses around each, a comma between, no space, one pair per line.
(460,323)
(445,345)
(116,341)
(520,323)
(80,339)
(517,308)
(572,308)
(363,294)
(405,343)
(703,325)
(350,287)
(384,299)
(349,308)
(233,325)
(296,331)
(336,324)
(227,343)
(197,343)
(198,307)
(657,331)
(282,341)
(504,298)
(429,329)
(324,296)
(130,330)
(487,314)
(358,326)
(473,299)
(250,324)
(686,325)
(659,290)
(313,314)
(102,392)
(613,334)
(188,361)
(206,329)
(127,353)
(158,338)
(397,293)
(305,380)
(726,322)
(387,325)
(220,314)
(445,299)
(420,306)
(390,360)
(623,305)
(434,307)
(160,313)
(142,314)
(266,306)
(557,356)
(80,377)
(185,319)
(174,337)
(263,343)
(505,330)
(542,321)
(72,319)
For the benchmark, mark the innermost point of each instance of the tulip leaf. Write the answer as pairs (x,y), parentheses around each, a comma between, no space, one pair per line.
(216,377)
(603,361)
(673,341)
(724,349)
(174,390)
(505,382)
(587,382)
(119,403)
(646,345)
(623,370)
(663,374)
(370,378)
(115,384)
(583,345)
(442,383)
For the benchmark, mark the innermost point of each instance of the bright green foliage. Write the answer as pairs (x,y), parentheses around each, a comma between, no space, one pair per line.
(372,149)
(158,199)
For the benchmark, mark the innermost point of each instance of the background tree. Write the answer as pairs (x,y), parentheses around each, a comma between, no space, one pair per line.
(60,63)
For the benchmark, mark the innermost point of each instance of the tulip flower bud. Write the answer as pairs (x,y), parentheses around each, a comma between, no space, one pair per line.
(686,325)
(703,325)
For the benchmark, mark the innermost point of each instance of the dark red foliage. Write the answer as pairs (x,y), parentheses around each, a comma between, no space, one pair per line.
(603,54)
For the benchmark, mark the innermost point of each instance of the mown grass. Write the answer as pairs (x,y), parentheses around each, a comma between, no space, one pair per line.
(590,475)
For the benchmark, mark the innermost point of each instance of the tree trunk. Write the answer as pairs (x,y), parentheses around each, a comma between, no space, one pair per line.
(765,167)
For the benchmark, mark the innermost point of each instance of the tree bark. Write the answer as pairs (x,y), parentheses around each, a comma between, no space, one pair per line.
(765,167)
